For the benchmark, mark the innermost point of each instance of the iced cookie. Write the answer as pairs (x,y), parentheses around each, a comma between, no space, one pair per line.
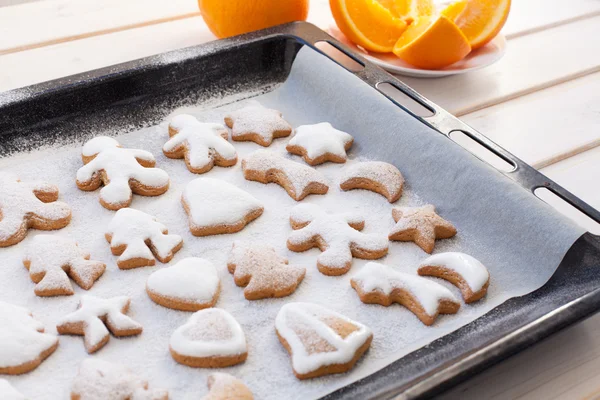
(121,171)
(338,236)
(52,260)
(262,271)
(94,316)
(103,380)
(190,285)
(202,145)
(376,176)
(211,338)
(320,341)
(215,206)
(137,237)
(297,179)
(320,143)
(7,392)
(379,284)
(257,124)
(223,386)
(465,272)
(421,225)
(23,343)
(28,205)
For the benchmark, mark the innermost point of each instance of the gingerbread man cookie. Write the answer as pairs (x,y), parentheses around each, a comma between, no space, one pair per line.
(7,392)
(462,270)
(202,145)
(421,225)
(103,380)
(211,338)
(190,285)
(121,171)
(137,237)
(338,236)
(257,124)
(223,386)
(94,316)
(23,343)
(376,176)
(52,260)
(297,179)
(28,205)
(215,206)
(320,341)
(379,284)
(264,273)
(320,143)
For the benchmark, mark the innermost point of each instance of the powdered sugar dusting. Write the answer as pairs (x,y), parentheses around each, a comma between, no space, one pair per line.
(385,174)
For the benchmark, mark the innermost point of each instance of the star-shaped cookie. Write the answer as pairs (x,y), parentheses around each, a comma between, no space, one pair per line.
(257,124)
(320,143)
(421,225)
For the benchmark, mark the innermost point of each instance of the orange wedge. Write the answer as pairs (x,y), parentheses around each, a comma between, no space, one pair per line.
(432,43)
(480,20)
(409,9)
(367,23)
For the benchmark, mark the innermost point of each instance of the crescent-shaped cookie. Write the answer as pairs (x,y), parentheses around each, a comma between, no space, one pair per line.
(376,176)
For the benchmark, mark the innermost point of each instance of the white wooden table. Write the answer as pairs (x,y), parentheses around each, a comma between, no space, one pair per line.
(541,102)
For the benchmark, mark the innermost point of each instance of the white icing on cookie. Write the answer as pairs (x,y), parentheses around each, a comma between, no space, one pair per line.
(321,140)
(384,175)
(102,380)
(7,392)
(294,319)
(472,270)
(22,340)
(212,332)
(257,123)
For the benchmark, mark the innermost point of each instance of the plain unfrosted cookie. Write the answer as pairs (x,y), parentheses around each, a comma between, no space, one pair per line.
(464,271)
(376,176)
(262,271)
(257,124)
(421,225)
(23,343)
(121,171)
(202,145)
(223,386)
(102,380)
(137,237)
(211,338)
(95,317)
(320,341)
(379,284)
(52,260)
(215,206)
(28,205)
(7,392)
(190,285)
(338,236)
(297,179)
(320,143)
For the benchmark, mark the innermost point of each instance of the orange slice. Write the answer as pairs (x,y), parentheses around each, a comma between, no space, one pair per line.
(367,23)
(409,9)
(432,43)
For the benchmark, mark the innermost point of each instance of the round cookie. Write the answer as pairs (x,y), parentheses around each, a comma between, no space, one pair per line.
(223,386)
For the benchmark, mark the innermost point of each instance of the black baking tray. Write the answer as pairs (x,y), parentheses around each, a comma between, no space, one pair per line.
(137,93)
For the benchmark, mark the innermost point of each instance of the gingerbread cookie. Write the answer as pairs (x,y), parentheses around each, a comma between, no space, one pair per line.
(121,171)
(23,343)
(202,145)
(376,176)
(94,316)
(52,260)
(320,143)
(338,236)
(257,124)
(190,285)
(7,392)
(465,272)
(211,338)
(297,179)
(379,284)
(103,380)
(421,225)
(226,387)
(264,273)
(28,205)
(137,237)
(320,341)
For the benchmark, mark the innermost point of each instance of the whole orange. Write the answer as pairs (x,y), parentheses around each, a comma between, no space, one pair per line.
(233,17)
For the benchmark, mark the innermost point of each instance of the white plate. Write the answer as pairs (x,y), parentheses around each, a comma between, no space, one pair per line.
(477,59)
